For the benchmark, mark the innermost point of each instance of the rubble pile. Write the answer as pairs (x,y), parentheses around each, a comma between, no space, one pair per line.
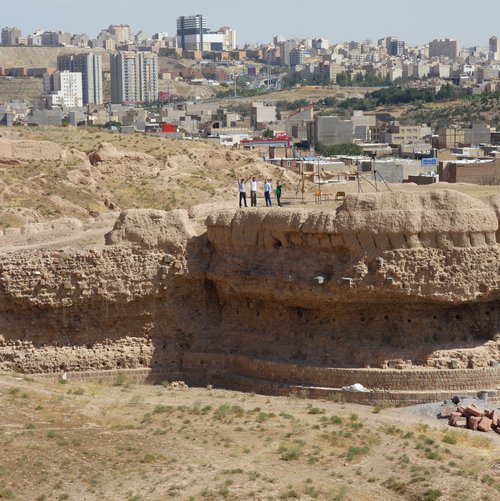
(471,417)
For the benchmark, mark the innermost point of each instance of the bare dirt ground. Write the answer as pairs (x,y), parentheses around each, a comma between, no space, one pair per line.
(121,441)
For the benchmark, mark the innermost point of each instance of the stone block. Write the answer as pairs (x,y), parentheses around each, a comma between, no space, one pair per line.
(473,422)
(460,422)
(453,417)
(446,411)
(472,410)
(495,418)
(485,424)
(494,415)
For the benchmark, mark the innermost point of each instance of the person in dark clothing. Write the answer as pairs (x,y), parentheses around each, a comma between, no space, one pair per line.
(267,193)
(277,191)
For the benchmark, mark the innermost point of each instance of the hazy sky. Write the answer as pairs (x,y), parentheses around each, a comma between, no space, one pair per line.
(415,21)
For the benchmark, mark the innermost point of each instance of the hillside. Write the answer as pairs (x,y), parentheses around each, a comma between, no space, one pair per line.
(24,89)
(40,57)
(119,440)
(146,172)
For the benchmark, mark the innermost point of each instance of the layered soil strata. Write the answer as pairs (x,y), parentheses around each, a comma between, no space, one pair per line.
(404,280)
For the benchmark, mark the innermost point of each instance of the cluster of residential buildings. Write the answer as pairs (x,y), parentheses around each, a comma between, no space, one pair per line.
(387,59)
(78,80)
(390,59)
(192,35)
(73,91)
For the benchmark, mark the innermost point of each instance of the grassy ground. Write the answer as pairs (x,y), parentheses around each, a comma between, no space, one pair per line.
(87,441)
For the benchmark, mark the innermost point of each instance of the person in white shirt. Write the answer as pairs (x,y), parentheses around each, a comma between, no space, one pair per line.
(267,193)
(253,192)
(243,192)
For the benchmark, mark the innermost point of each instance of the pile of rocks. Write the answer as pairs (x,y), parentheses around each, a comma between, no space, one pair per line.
(471,417)
(181,385)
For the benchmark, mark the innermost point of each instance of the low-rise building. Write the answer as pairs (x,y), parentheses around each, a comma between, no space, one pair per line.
(262,114)
(61,89)
(458,137)
(398,134)
(330,130)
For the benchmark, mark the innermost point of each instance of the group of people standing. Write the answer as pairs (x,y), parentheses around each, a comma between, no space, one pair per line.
(253,192)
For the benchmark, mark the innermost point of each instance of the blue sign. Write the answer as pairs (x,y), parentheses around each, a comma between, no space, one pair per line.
(429,162)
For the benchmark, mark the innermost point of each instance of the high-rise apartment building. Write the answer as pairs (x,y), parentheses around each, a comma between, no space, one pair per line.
(396,47)
(229,37)
(121,33)
(190,32)
(297,57)
(63,88)
(193,35)
(327,130)
(55,38)
(134,77)
(444,48)
(494,49)
(10,36)
(90,67)
(285,51)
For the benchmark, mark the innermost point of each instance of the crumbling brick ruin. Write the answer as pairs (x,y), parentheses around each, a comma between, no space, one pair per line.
(396,291)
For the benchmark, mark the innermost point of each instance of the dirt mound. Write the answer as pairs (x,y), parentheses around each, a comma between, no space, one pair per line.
(26,150)
(168,231)
(107,153)
(443,211)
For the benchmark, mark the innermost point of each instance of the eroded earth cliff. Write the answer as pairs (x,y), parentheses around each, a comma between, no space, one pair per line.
(398,280)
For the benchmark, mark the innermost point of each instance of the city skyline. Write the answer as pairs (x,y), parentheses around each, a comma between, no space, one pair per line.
(260,21)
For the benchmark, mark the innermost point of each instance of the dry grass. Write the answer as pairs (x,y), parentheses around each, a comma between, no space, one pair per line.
(113,441)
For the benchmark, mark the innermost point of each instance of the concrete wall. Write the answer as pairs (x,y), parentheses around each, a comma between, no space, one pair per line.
(396,170)
(332,130)
(475,173)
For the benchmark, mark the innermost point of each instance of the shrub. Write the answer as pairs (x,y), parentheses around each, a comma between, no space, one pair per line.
(431,495)
(354,451)
(289,453)
(120,379)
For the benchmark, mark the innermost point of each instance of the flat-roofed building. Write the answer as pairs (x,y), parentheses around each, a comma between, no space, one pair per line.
(444,47)
(90,67)
(62,88)
(134,77)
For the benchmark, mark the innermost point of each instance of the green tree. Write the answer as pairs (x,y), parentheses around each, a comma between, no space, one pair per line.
(110,124)
(350,149)
(343,78)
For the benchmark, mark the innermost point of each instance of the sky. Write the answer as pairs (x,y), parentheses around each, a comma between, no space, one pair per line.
(415,21)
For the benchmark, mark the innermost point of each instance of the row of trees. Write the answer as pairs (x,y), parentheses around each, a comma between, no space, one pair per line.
(345,78)
(339,149)
(399,95)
